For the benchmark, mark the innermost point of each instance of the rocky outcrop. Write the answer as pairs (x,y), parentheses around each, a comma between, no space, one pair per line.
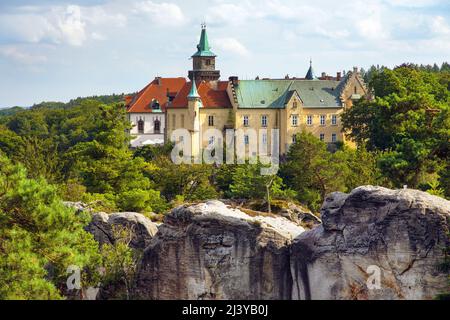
(142,229)
(300,215)
(371,234)
(210,251)
(374,243)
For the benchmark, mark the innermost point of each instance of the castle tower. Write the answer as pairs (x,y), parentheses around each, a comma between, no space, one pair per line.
(204,61)
(194,105)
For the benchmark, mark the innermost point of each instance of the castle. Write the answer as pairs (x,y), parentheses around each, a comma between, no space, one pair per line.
(312,104)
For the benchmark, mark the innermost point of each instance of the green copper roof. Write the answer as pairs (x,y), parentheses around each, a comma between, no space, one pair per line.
(193,92)
(203,48)
(276,93)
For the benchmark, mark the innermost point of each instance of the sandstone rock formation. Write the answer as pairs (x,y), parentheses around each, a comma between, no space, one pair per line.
(142,228)
(401,232)
(210,251)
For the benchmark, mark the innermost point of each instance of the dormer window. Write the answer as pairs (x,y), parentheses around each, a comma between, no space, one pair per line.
(155,105)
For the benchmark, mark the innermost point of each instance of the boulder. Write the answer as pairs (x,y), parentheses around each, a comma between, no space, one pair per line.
(374,243)
(211,251)
(142,229)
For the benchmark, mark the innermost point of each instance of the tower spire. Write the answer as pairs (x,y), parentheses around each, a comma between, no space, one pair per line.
(193,93)
(203,47)
(310,74)
(204,60)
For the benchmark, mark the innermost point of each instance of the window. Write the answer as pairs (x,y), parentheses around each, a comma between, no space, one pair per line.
(211,140)
(246,139)
(333,137)
(264,138)
(208,62)
(294,104)
(294,138)
(356,90)
(334,119)
(157,126)
(211,121)
(294,120)
(141,124)
(264,121)
(182,120)
(322,119)
(309,120)
(155,105)
(245,121)
(322,137)
(174,122)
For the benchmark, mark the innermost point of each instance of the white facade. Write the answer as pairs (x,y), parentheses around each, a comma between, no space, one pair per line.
(145,128)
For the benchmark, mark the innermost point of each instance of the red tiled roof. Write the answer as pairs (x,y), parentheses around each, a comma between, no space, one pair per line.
(212,93)
(157,89)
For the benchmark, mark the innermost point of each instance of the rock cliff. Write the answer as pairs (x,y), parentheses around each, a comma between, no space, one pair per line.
(210,251)
(374,243)
(396,234)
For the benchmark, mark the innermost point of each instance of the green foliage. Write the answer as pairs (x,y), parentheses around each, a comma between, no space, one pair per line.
(247,182)
(151,152)
(39,238)
(119,263)
(193,182)
(313,172)
(409,121)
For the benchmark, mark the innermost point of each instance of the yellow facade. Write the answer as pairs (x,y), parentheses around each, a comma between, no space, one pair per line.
(323,122)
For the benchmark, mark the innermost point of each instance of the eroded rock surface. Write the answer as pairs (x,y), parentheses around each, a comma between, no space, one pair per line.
(210,251)
(401,232)
(142,229)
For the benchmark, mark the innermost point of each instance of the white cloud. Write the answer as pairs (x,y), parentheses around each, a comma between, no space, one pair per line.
(439,26)
(229,13)
(57,25)
(231,45)
(98,36)
(20,56)
(72,27)
(162,14)
(413,3)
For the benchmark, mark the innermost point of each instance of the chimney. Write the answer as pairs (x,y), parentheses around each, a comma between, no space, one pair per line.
(158,81)
(355,69)
(324,75)
(338,76)
(234,80)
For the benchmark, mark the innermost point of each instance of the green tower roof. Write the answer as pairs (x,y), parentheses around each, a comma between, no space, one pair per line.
(203,48)
(193,92)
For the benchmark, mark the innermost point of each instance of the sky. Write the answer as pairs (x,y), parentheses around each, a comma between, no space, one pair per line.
(58,50)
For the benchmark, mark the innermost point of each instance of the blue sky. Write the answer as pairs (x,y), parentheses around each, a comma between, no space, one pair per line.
(58,50)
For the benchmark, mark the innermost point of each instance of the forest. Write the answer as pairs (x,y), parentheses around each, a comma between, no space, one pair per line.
(79,151)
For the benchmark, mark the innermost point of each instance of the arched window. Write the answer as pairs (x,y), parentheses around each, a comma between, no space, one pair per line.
(141,124)
(157,126)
